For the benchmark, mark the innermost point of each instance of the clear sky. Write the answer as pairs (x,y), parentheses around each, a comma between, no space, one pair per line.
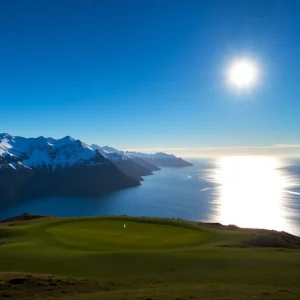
(150,74)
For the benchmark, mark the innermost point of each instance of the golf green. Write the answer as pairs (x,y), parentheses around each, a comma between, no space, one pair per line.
(149,258)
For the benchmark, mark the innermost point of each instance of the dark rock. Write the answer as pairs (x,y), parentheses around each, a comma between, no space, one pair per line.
(81,180)
(20,280)
(5,295)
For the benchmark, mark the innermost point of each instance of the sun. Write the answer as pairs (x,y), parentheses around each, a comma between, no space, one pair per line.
(243,73)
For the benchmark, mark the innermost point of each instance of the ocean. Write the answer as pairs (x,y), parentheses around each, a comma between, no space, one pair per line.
(250,191)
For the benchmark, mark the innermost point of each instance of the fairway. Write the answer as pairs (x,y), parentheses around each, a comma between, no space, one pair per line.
(112,235)
(149,258)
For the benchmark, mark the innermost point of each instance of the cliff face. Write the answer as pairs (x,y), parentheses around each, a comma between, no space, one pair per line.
(45,167)
(133,167)
(39,167)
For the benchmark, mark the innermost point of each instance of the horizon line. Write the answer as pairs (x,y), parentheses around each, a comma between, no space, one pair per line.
(276,149)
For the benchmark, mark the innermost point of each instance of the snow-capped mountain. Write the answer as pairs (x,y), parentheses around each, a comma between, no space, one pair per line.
(38,167)
(156,159)
(110,153)
(20,152)
(130,166)
(108,149)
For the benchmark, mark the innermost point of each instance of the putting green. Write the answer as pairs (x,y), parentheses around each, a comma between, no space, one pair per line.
(112,235)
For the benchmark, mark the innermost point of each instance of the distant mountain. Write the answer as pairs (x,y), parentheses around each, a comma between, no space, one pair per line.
(132,167)
(38,167)
(108,149)
(145,163)
(161,159)
(155,160)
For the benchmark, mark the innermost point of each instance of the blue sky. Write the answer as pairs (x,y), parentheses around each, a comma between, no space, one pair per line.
(150,74)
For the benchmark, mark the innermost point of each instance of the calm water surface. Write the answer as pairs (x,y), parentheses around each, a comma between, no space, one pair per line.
(256,192)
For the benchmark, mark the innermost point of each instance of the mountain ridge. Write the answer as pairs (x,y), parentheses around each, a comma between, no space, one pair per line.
(158,159)
(129,166)
(39,167)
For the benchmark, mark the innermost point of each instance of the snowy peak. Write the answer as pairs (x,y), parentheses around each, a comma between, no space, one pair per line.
(156,159)
(5,136)
(107,149)
(42,167)
(110,153)
(17,152)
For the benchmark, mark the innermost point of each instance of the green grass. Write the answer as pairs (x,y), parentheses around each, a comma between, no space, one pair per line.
(97,258)
(111,235)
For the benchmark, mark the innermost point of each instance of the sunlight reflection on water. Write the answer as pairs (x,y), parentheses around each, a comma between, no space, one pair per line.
(253,192)
(250,191)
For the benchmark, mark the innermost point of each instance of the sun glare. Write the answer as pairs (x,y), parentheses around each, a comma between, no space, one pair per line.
(242,73)
(251,192)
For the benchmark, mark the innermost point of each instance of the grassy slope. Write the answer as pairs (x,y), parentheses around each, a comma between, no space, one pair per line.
(150,258)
